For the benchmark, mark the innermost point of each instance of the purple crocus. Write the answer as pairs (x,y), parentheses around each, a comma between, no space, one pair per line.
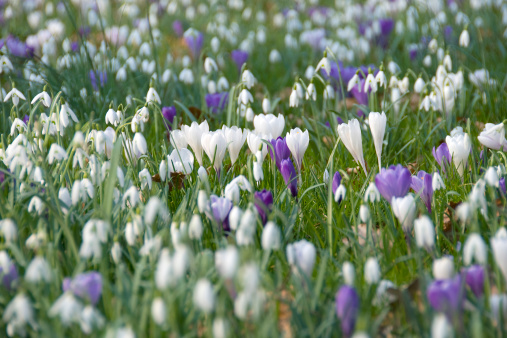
(442,155)
(217,102)
(26,118)
(2,177)
(282,152)
(393,182)
(87,285)
(289,176)
(337,180)
(446,295)
(18,48)
(93,79)
(194,40)
(169,113)
(74,45)
(361,96)
(338,120)
(501,184)
(422,185)
(474,277)
(263,202)
(220,208)
(347,307)
(10,278)
(239,57)
(84,31)
(178,28)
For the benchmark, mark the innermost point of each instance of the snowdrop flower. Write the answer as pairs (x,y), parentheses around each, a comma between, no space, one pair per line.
(18,314)
(139,146)
(158,311)
(15,95)
(370,83)
(210,65)
(493,136)
(82,190)
(257,171)
(43,97)
(440,327)
(364,213)
(419,85)
(491,177)
(311,92)
(248,79)
(67,308)
(354,81)
(371,271)
(186,76)
(116,252)
(381,79)
(436,182)
(215,145)
(269,125)
(152,96)
(56,153)
(235,138)
(424,232)
(245,97)
(271,237)
(204,296)
(90,319)
(9,230)
(340,193)
(227,262)
(301,256)
(18,125)
(404,209)
(459,145)
(350,134)
(403,85)
(348,272)
(297,141)
(266,106)
(499,247)
(377,124)
(195,228)
(113,117)
(324,64)
(432,46)
(193,135)
(372,194)
(475,250)
(36,204)
(38,271)
(294,98)
(443,268)
(464,38)
(145,178)
(153,208)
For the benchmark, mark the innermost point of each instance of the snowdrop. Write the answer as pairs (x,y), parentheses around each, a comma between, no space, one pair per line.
(15,95)
(350,134)
(271,237)
(9,230)
(204,296)
(443,268)
(301,256)
(38,271)
(82,190)
(18,314)
(227,261)
(424,232)
(145,178)
(354,81)
(499,248)
(43,97)
(56,153)
(18,125)
(464,38)
(67,308)
(370,84)
(371,271)
(372,194)
(248,79)
(475,250)
(311,92)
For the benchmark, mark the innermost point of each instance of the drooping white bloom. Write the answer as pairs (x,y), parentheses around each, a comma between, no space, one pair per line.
(271,237)
(301,256)
(186,76)
(499,247)
(152,96)
(269,125)
(15,95)
(324,64)
(245,97)
(459,145)
(67,308)
(475,250)
(38,271)
(424,231)
(311,92)
(8,230)
(91,319)
(220,328)
(158,311)
(153,208)
(377,124)
(18,125)
(371,271)
(43,97)
(293,98)
(145,178)
(204,296)
(195,228)
(193,135)
(381,79)
(436,182)
(350,134)
(491,177)
(349,273)
(248,79)
(210,65)
(404,209)
(214,145)
(340,193)
(440,327)
(493,136)
(419,85)
(116,252)
(235,138)
(372,194)
(364,213)
(227,262)
(266,106)
(18,314)
(56,153)
(82,190)
(443,268)
(464,39)
(354,81)
(370,83)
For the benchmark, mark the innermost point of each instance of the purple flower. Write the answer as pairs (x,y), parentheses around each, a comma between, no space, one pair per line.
(10,278)
(422,185)
(26,118)
(442,155)
(361,96)
(2,177)
(178,28)
(87,285)
(282,152)
(194,40)
(217,102)
(446,295)
(93,79)
(393,182)
(474,277)
(337,180)
(84,31)
(18,48)
(220,208)
(501,183)
(347,307)
(74,46)
(239,57)
(263,202)
(289,176)
(448,32)
(338,119)
(412,53)
(169,113)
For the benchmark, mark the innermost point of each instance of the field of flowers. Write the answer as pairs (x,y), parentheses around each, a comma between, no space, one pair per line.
(261,168)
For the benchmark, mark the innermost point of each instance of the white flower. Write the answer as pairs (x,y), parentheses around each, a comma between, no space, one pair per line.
(18,313)
(353,82)
(350,134)
(377,124)
(499,247)
(329,92)
(370,83)
(348,272)
(204,296)
(38,271)
(90,319)
(371,271)
(271,237)
(158,311)
(459,147)
(464,39)
(36,204)
(220,328)
(340,193)
(311,92)
(139,145)
(152,96)
(235,138)
(67,308)
(18,125)
(210,65)
(381,79)
(248,79)
(419,85)
(43,97)
(269,125)
(9,230)
(404,209)
(424,231)
(82,190)
(180,161)
(403,85)
(491,177)
(293,98)
(186,76)
(245,97)
(16,95)
(116,252)
(324,64)
(440,327)
(443,268)
(227,262)
(153,208)
(297,142)
(493,136)
(266,105)
(436,182)
(145,178)
(56,153)
(372,194)
(301,256)
(475,250)
(193,135)
(364,213)
(195,228)
(214,145)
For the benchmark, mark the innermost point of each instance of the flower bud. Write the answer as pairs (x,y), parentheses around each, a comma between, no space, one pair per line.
(195,227)
(424,232)
(443,268)
(235,217)
(204,295)
(271,237)
(158,311)
(371,271)
(475,250)
(348,272)
(364,213)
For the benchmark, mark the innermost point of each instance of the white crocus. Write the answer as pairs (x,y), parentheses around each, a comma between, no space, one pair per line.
(459,147)
(193,135)
(377,124)
(269,125)
(215,145)
(180,161)
(350,134)
(493,136)
(297,142)
(235,138)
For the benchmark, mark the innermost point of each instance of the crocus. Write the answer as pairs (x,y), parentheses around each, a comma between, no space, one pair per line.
(235,138)
(446,295)
(239,57)
(459,147)
(263,203)
(337,180)
(193,134)
(169,114)
(87,285)
(393,182)
(424,231)
(474,277)
(269,125)
(493,136)
(215,145)
(216,102)
(350,134)
(219,210)
(404,209)
(10,277)
(280,149)
(501,184)
(297,141)
(422,185)
(194,40)
(289,176)
(347,308)
(442,155)
(378,129)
